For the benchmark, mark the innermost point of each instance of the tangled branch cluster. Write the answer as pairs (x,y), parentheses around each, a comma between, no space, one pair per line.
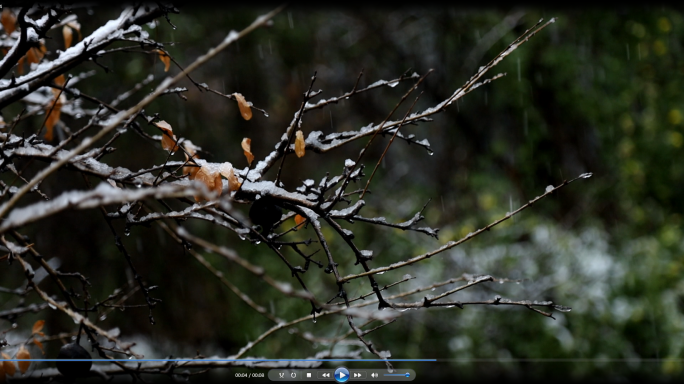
(145,196)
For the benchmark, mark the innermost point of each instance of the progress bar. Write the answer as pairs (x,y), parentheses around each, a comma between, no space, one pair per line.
(219,360)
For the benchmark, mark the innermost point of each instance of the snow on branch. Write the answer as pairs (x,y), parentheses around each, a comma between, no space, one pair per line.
(103,194)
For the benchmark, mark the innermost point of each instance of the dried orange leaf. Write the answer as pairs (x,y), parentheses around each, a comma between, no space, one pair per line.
(38,326)
(191,149)
(53,117)
(76,26)
(39,345)
(299,144)
(226,170)
(211,179)
(31,56)
(168,141)
(164,126)
(20,65)
(192,171)
(9,366)
(8,20)
(68,35)
(23,354)
(60,80)
(164,57)
(35,55)
(218,183)
(246,144)
(244,105)
(203,176)
(247,148)
(299,220)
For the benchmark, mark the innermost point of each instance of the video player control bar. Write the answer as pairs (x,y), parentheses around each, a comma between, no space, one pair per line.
(341,375)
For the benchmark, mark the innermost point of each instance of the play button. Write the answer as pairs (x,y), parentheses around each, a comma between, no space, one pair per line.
(341,375)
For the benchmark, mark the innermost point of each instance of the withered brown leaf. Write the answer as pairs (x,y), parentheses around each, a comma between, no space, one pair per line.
(247,148)
(191,149)
(23,354)
(168,140)
(245,108)
(68,35)
(38,326)
(227,171)
(54,113)
(299,144)
(210,178)
(39,345)
(8,366)
(164,57)
(8,20)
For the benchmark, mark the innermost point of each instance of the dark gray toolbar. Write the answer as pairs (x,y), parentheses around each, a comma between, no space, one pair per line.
(341,375)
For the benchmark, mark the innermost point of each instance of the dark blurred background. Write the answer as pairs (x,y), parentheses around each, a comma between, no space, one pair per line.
(597,91)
